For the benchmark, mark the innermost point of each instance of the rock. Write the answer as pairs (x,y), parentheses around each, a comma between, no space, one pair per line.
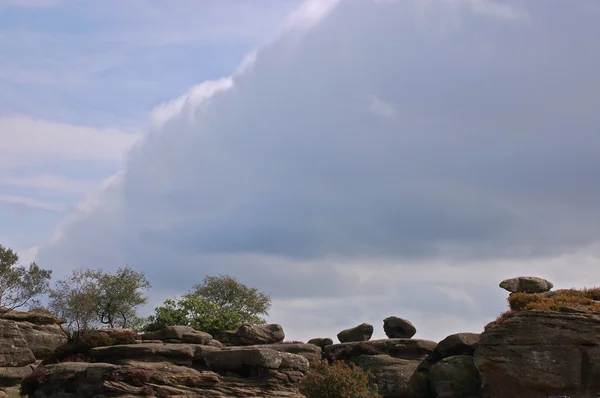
(215,343)
(14,351)
(454,376)
(251,335)
(238,360)
(179,334)
(457,344)
(394,362)
(362,332)
(36,316)
(311,352)
(42,339)
(13,376)
(539,353)
(320,341)
(178,354)
(526,284)
(398,328)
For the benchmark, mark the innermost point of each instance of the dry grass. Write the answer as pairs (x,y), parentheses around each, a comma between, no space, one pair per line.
(582,299)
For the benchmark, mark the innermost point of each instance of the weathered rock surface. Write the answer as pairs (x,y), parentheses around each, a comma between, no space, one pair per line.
(178,354)
(457,344)
(393,362)
(362,332)
(179,334)
(251,335)
(43,339)
(537,353)
(247,372)
(526,284)
(311,352)
(320,341)
(14,351)
(454,377)
(398,328)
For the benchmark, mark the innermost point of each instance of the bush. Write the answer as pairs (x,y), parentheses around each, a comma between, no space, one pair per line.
(338,380)
(31,383)
(574,298)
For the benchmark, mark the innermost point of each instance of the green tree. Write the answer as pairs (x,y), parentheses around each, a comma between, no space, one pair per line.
(230,295)
(19,284)
(90,298)
(196,312)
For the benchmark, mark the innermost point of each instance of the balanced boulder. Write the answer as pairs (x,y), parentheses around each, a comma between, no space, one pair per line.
(320,341)
(251,335)
(398,328)
(362,332)
(526,284)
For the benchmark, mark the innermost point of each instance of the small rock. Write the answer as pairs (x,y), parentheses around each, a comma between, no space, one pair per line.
(320,341)
(362,332)
(398,328)
(526,284)
(457,344)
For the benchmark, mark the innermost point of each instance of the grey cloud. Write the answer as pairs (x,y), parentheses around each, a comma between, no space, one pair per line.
(491,152)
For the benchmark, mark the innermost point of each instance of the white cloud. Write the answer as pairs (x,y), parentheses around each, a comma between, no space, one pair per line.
(30,202)
(283,178)
(49,182)
(25,140)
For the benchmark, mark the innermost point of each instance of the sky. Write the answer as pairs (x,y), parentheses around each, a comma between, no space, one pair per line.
(356,159)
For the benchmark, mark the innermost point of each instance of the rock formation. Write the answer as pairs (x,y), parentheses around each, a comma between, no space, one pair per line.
(398,328)
(526,284)
(362,332)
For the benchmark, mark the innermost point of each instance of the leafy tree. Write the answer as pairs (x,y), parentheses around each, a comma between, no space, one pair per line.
(19,284)
(196,312)
(89,298)
(230,295)
(119,295)
(219,303)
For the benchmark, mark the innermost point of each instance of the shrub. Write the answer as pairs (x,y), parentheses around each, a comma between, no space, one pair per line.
(31,383)
(124,337)
(338,380)
(580,299)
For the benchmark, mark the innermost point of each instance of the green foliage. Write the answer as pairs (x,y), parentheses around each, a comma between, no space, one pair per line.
(230,295)
(338,380)
(196,312)
(219,303)
(19,284)
(89,298)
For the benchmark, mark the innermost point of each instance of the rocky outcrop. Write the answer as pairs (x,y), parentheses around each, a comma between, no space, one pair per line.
(453,377)
(535,354)
(526,284)
(362,332)
(393,362)
(311,352)
(148,369)
(398,328)
(251,335)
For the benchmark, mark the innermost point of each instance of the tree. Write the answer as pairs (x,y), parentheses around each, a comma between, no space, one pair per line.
(90,298)
(119,295)
(196,312)
(219,303)
(19,284)
(228,294)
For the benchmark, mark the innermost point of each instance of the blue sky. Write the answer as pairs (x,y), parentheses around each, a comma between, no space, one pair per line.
(356,159)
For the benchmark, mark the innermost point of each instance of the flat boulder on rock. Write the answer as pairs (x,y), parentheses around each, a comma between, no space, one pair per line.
(251,335)
(320,341)
(398,328)
(362,332)
(313,353)
(179,334)
(178,354)
(37,316)
(536,354)
(259,358)
(526,284)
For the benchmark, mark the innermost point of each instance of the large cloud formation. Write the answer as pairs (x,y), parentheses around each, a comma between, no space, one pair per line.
(393,158)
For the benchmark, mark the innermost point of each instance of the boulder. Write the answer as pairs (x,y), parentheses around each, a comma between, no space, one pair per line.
(251,335)
(178,354)
(179,334)
(453,377)
(457,344)
(260,358)
(362,332)
(398,328)
(38,316)
(320,341)
(536,354)
(526,284)
(14,351)
(311,352)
